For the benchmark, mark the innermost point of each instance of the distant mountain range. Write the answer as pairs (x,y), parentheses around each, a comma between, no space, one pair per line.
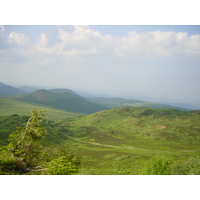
(183,105)
(28,89)
(9,90)
(120,102)
(68,100)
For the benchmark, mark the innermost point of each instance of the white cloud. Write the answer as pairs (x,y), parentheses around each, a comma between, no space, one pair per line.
(138,64)
(19,38)
(159,44)
(82,41)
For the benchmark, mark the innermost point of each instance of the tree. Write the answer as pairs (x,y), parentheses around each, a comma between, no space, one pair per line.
(24,154)
(63,165)
(24,150)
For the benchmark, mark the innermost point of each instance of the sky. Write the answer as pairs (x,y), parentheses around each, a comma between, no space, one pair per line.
(158,63)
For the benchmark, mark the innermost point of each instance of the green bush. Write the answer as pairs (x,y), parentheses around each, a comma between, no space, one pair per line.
(64,165)
(159,165)
(12,166)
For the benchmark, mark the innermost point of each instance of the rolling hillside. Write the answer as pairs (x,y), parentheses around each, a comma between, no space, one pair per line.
(138,126)
(10,107)
(60,99)
(122,139)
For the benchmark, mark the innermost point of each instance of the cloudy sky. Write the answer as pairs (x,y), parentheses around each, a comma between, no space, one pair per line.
(161,63)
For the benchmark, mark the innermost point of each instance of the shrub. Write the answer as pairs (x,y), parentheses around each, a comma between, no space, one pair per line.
(159,165)
(64,165)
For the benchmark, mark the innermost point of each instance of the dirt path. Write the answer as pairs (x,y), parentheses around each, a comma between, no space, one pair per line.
(112,146)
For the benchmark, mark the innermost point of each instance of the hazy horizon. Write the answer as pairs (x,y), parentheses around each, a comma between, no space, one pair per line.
(157,62)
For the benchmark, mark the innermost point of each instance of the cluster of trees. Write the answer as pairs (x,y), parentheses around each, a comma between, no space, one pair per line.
(25,155)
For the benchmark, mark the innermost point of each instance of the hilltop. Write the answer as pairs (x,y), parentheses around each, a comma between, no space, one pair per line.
(60,99)
(71,101)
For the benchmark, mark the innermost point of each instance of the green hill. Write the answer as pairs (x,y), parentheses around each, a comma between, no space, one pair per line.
(64,100)
(120,102)
(10,107)
(121,140)
(124,138)
(138,126)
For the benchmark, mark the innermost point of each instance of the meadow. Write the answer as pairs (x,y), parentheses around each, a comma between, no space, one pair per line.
(9,107)
(122,141)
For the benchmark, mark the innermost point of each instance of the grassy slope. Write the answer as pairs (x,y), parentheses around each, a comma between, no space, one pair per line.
(126,137)
(122,139)
(68,101)
(10,107)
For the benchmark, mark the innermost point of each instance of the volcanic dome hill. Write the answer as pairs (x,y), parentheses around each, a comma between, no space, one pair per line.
(60,99)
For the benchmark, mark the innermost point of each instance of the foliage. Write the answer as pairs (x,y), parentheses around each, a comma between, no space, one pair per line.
(25,155)
(8,125)
(25,141)
(64,165)
(119,171)
(159,165)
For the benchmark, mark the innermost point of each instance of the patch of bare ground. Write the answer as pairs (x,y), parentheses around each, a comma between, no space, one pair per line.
(160,127)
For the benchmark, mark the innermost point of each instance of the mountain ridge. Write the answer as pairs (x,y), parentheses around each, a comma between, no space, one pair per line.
(121,102)
(67,101)
(103,102)
(9,90)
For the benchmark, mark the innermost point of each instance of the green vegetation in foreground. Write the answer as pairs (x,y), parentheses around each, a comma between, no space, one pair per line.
(25,155)
(129,141)
(9,107)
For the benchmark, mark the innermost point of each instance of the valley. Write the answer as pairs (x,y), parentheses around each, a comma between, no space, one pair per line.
(110,136)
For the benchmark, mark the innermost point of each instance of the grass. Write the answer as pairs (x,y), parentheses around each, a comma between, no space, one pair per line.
(9,107)
(130,136)
(121,140)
